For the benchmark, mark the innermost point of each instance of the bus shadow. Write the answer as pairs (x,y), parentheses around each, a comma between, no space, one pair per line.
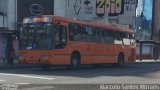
(139,69)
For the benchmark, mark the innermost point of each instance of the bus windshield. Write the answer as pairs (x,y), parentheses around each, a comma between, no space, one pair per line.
(36,36)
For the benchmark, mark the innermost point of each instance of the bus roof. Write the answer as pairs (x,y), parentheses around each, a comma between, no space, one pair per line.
(105,26)
(89,23)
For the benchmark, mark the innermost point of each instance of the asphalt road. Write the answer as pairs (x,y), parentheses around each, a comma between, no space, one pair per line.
(86,77)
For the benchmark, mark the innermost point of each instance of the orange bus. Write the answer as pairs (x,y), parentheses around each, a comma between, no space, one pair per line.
(53,40)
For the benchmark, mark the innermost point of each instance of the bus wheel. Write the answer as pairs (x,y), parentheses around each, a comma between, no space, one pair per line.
(45,67)
(120,60)
(75,60)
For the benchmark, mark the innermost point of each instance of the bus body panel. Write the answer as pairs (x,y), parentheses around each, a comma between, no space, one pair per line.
(85,51)
(61,56)
(90,52)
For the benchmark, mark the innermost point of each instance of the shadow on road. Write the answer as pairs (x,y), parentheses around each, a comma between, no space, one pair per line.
(138,69)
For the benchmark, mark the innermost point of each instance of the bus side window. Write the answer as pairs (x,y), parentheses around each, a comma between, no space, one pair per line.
(126,40)
(131,36)
(105,36)
(60,36)
(74,32)
(87,34)
(63,34)
(109,36)
(118,36)
(97,35)
(132,39)
(124,35)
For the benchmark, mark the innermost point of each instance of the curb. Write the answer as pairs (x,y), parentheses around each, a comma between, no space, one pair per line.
(21,66)
(148,61)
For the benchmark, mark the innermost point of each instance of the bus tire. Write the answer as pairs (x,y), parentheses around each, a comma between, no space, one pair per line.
(45,67)
(75,60)
(120,60)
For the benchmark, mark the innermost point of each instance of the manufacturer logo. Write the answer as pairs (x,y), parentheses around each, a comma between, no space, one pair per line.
(36,9)
(77,6)
(87,2)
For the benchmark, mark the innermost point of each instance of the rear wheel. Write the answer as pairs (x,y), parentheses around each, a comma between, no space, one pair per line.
(75,60)
(120,60)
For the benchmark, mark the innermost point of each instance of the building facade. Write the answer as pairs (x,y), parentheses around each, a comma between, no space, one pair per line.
(105,11)
(13,11)
(121,12)
(156,20)
(8,14)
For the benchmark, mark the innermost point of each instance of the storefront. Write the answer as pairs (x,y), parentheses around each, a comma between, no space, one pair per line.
(8,46)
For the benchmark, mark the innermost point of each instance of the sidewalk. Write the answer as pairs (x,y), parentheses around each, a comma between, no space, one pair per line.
(147,61)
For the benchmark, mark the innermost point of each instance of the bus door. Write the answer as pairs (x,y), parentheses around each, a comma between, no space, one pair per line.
(59,42)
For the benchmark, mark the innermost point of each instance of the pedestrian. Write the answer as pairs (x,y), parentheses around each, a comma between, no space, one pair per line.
(11,52)
(11,55)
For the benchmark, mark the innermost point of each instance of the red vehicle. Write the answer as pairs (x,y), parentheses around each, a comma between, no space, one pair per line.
(53,40)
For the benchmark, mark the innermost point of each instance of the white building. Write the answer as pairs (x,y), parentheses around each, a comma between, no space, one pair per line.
(156,22)
(15,10)
(8,9)
(108,11)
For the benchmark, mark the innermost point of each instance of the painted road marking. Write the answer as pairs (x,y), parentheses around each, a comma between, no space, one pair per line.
(39,88)
(2,80)
(27,76)
(22,83)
